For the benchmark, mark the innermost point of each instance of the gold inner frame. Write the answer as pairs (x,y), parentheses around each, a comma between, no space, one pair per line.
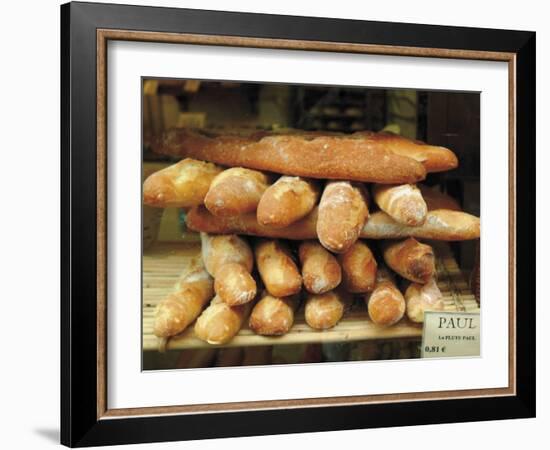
(104,35)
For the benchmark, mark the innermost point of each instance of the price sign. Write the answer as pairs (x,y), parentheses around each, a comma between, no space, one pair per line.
(448,334)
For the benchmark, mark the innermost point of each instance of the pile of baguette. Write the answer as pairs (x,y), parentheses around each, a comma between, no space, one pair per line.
(290,218)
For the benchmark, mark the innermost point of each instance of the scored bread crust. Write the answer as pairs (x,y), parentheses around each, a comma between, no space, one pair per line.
(441,224)
(368,158)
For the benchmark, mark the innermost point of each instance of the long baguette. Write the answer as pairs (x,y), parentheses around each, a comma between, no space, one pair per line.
(411,259)
(273,316)
(442,224)
(229,259)
(403,202)
(320,269)
(343,211)
(434,158)
(184,184)
(236,191)
(219,323)
(323,311)
(286,201)
(359,268)
(369,158)
(277,268)
(175,312)
(385,305)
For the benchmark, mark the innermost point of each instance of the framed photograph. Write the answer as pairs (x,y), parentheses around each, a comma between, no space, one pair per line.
(272,224)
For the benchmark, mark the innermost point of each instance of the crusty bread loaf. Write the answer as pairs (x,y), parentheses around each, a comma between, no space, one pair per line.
(411,259)
(358,268)
(372,158)
(277,268)
(191,293)
(273,316)
(386,305)
(402,202)
(343,211)
(441,224)
(434,158)
(229,259)
(219,323)
(200,219)
(234,284)
(421,298)
(323,311)
(286,201)
(218,250)
(236,191)
(184,184)
(320,269)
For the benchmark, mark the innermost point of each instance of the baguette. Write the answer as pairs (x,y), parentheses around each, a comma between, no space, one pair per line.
(386,305)
(444,225)
(410,259)
(403,203)
(433,158)
(183,184)
(219,323)
(277,268)
(343,212)
(234,284)
(441,224)
(220,250)
(320,269)
(423,297)
(286,201)
(273,316)
(359,268)
(174,313)
(229,259)
(236,191)
(373,158)
(324,311)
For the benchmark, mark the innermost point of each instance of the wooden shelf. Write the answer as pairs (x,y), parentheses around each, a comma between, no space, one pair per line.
(163,262)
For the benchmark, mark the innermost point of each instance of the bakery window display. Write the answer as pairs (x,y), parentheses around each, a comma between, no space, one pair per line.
(300,239)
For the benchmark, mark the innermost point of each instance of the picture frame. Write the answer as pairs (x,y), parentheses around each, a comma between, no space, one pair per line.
(86,418)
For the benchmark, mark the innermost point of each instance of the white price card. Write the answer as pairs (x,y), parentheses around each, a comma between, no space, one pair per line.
(448,334)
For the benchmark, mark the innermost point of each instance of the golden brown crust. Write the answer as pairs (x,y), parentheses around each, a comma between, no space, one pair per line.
(421,298)
(411,259)
(236,191)
(343,211)
(183,184)
(385,305)
(277,268)
(320,269)
(402,202)
(434,158)
(191,293)
(218,250)
(273,316)
(324,311)
(234,284)
(356,158)
(219,323)
(359,268)
(286,201)
(441,224)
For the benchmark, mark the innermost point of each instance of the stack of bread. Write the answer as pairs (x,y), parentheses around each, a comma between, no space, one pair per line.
(303,217)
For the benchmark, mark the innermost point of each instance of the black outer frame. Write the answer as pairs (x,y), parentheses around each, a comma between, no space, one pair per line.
(79,423)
